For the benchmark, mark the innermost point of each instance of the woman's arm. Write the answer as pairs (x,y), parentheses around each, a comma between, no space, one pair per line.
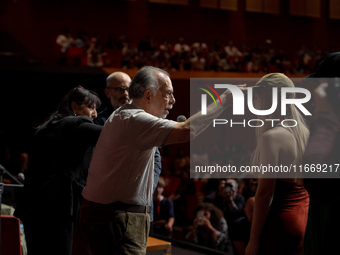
(192,231)
(88,131)
(169,224)
(221,232)
(269,153)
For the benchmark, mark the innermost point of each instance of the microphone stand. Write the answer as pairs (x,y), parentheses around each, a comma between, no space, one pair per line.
(2,185)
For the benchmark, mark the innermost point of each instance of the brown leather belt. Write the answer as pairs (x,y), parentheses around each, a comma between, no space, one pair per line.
(119,206)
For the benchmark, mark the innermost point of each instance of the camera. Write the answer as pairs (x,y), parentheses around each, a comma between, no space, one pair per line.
(200,215)
(228,187)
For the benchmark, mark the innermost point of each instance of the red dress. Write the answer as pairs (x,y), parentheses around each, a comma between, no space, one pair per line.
(285,226)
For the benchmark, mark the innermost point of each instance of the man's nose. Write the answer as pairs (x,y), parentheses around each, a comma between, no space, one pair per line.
(173,100)
(126,92)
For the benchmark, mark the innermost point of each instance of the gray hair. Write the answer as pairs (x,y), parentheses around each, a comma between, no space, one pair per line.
(145,79)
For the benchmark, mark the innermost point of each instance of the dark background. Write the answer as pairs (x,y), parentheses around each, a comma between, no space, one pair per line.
(36,23)
(31,84)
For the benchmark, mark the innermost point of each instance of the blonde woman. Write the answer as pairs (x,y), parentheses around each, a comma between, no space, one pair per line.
(281,201)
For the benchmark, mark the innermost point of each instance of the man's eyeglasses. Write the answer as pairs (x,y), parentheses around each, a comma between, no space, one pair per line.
(119,90)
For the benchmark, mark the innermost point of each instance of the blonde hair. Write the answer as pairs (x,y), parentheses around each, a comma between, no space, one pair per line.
(263,89)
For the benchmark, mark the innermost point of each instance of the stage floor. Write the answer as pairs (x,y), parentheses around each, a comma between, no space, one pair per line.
(177,251)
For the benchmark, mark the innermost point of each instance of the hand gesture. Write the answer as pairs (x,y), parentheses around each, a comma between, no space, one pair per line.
(227,97)
(206,222)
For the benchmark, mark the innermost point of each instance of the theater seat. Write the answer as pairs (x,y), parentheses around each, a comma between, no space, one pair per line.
(171,186)
(10,235)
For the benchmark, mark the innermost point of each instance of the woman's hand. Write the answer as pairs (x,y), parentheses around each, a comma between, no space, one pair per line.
(206,223)
(195,225)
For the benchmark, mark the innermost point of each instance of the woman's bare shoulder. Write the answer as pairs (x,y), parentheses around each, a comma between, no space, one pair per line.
(277,134)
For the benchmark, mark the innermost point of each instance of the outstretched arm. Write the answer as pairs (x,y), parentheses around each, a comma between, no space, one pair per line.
(188,130)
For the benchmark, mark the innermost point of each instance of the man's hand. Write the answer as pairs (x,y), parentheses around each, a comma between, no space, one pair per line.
(168,227)
(227,98)
(228,196)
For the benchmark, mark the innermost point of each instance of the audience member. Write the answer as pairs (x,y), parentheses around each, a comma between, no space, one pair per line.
(200,57)
(210,229)
(233,202)
(248,189)
(217,197)
(185,189)
(182,162)
(200,157)
(163,211)
(95,53)
(181,47)
(82,40)
(64,40)
(240,234)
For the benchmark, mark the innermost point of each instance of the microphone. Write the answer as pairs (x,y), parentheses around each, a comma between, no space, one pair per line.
(181,118)
(2,168)
(4,171)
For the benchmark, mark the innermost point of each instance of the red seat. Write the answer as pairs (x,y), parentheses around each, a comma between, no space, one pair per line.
(198,185)
(191,206)
(10,235)
(171,186)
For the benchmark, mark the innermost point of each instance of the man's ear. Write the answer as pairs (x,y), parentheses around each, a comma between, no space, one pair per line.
(107,92)
(147,95)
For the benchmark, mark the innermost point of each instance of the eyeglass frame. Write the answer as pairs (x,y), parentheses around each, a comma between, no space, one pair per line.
(119,90)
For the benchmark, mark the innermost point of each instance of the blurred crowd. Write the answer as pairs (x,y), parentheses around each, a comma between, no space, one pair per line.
(121,52)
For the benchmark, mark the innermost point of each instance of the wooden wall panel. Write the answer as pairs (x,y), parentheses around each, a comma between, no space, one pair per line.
(254,5)
(209,4)
(334,9)
(175,2)
(306,8)
(159,1)
(230,5)
(179,2)
(297,7)
(271,6)
(312,8)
